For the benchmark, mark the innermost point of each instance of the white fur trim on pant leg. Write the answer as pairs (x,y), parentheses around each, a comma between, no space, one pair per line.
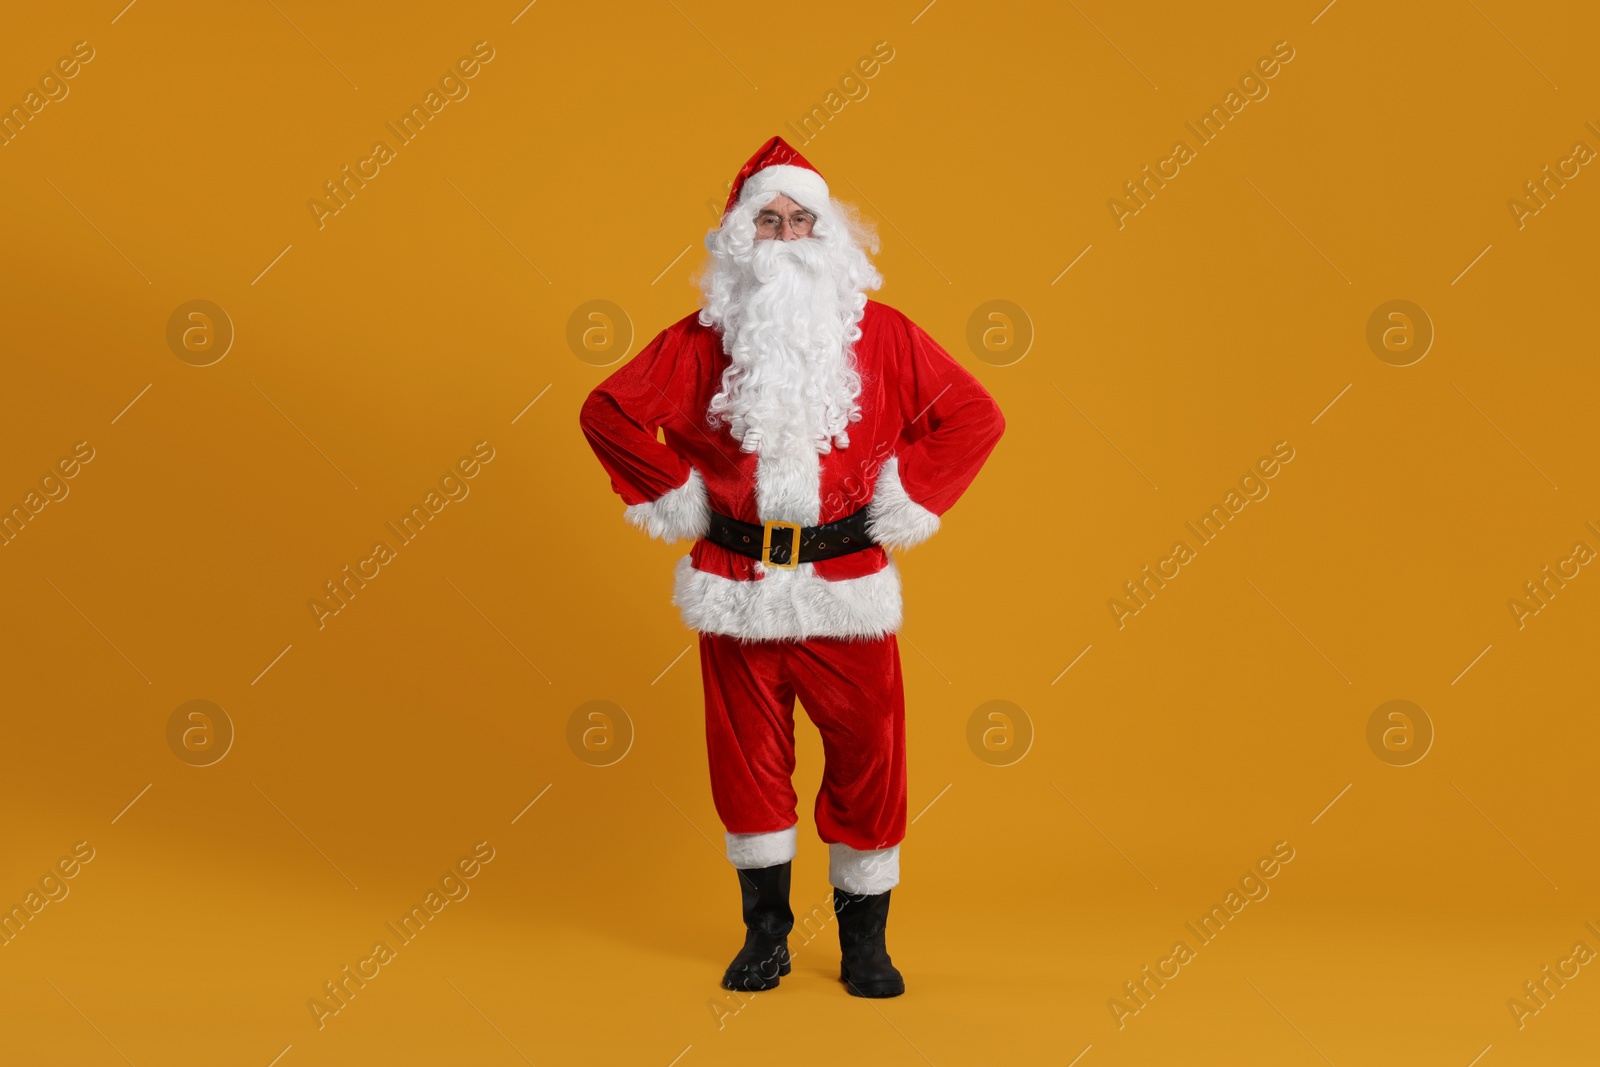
(894,520)
(761,850)
(678,513)
(860,872)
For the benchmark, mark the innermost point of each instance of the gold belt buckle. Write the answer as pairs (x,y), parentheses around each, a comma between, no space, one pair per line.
(766,543)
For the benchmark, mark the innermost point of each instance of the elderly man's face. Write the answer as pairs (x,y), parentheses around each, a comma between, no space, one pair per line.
(783,218)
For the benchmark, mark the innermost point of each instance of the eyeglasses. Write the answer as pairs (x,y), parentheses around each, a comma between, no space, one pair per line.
(770,223)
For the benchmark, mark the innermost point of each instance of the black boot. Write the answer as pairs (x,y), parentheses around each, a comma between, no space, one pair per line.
(865,968)
(767,920)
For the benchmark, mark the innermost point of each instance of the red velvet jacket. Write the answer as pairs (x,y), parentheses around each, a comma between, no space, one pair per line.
(926,428)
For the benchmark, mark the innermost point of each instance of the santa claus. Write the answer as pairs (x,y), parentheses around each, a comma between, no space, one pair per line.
(804,431)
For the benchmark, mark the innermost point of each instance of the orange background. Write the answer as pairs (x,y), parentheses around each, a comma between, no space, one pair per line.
(372,353)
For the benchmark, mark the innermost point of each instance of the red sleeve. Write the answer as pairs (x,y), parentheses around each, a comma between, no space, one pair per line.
(951,423)
(621,415)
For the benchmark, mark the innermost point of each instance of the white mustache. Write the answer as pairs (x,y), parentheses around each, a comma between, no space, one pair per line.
(770,258)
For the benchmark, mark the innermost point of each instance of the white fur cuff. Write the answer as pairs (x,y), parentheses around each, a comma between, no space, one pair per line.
(860,872)
(761,850)
(678,513)
(894,520)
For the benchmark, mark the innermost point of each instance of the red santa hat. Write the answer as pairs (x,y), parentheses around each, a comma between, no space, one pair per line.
(775,169)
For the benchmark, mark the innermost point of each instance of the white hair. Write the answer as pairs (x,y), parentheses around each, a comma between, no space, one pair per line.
(789,313)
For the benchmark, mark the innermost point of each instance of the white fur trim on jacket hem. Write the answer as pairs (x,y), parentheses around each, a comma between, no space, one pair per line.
(860,872)
(893,519)
(678,514)
(788,604)
(761,850)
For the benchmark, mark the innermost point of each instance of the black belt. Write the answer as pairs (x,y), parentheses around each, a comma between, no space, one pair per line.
(787,544)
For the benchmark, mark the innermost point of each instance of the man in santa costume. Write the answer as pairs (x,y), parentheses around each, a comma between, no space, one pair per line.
(805,431)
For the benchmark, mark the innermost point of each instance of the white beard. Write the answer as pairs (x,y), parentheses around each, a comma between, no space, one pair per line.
(792,388)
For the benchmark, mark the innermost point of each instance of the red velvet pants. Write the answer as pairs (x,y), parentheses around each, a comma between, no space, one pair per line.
(852,690)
